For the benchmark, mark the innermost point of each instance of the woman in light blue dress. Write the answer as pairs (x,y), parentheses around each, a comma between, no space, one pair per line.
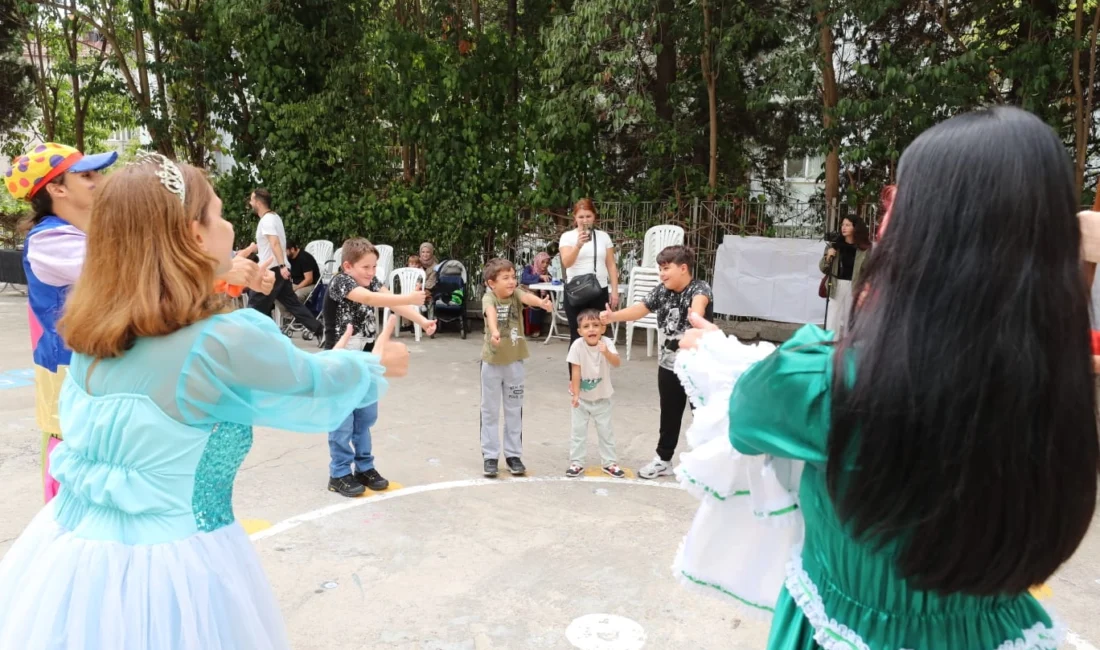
(140,549)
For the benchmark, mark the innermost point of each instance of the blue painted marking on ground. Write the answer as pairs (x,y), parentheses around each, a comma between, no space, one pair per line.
(17,378)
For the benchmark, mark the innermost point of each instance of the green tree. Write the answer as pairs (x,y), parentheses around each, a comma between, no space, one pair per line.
(14,73)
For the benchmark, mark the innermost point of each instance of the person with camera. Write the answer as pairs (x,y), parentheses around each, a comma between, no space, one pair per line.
(588,260)
(841,264)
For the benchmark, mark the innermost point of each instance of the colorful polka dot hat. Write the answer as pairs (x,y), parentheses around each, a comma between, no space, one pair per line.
(45,162)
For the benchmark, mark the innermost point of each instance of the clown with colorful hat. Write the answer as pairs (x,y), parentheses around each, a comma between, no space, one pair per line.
(57,181)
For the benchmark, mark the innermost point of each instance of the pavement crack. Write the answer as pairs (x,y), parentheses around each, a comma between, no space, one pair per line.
(279,457)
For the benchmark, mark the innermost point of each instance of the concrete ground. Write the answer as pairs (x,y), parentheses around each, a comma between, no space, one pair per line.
(446,560)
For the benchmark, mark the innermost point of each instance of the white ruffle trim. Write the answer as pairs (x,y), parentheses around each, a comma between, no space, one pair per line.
(828,633)
(832,635)
(691,582)
(748,522)
(708,373)
(1038,637)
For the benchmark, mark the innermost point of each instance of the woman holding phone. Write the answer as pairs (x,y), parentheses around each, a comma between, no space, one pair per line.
(843,262)
(586,251)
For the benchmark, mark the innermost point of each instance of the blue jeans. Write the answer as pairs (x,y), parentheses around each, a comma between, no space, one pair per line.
(350,443)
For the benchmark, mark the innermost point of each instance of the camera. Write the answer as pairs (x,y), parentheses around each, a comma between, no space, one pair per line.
(833,238)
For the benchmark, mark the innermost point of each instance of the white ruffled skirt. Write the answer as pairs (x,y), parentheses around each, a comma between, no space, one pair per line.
(206,592)
(748,524)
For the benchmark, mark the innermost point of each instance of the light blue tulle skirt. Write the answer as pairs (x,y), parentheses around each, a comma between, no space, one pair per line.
(206,592)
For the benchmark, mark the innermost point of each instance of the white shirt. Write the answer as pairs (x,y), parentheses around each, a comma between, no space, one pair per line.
(595,368)
(271,224)
(583,264)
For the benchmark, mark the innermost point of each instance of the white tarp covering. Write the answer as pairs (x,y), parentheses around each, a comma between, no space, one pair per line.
(769,278)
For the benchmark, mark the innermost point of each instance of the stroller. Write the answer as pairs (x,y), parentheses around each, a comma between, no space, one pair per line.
(449,295)
(314,303)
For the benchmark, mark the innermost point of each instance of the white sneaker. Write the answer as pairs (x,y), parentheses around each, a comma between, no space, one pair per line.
(655,468)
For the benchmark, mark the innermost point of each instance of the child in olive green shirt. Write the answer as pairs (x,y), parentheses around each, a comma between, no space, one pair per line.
(502,358)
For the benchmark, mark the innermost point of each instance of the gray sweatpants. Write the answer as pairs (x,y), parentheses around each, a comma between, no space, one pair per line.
(599,411)
(499,382)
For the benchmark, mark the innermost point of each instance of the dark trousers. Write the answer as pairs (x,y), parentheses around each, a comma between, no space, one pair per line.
(571,311)
(673,400)
(283,291)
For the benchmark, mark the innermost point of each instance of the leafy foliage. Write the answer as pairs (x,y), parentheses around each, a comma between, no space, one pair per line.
(14,73)
(412,120)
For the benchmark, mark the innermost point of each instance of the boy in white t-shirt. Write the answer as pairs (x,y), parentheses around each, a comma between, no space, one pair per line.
(590,360)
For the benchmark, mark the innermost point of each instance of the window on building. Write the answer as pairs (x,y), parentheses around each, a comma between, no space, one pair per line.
(804,168)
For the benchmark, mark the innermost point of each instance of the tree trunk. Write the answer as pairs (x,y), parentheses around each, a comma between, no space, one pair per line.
(45,96)
(513,23)
(165,145)
(666,60)
(712,101)
(830,95)
(475,8)
(1080,129)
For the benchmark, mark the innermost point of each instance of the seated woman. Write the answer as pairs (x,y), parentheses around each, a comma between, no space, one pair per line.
(535,272)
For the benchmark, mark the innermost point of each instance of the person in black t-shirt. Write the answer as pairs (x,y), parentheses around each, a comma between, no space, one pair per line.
(678,295)
(304,272)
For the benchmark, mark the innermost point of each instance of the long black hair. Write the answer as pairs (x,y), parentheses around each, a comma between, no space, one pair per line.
(968,434)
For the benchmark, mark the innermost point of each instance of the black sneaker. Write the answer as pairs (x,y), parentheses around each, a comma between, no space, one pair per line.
(515,466)
(346,486)
(491,467)
(372,480)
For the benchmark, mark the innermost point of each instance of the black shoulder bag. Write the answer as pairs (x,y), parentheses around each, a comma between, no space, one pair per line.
(586,289)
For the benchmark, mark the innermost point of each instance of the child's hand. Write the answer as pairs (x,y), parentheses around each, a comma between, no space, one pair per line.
(602,347)
(495,339)
(395,356)
(699,327)
(547,304)
(416,298)
(429,327)
(342,344)
(576,399)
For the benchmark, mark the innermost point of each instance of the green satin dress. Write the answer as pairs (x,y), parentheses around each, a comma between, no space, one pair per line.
(843,594)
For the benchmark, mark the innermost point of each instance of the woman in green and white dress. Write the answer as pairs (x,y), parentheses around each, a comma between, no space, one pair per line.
(905,485)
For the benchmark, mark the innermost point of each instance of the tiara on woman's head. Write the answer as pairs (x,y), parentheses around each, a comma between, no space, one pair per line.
(167,171)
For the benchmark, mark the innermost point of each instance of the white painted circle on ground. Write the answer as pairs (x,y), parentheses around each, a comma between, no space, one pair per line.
(605,632)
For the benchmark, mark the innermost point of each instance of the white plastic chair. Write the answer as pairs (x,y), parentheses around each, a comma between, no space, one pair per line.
(407,279)
(337,260)
(385,262)
(321,250)
(657,239)
(642,281)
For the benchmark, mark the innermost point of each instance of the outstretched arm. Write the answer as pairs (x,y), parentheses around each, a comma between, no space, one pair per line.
(384,299)
(531,300)
(634,312)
